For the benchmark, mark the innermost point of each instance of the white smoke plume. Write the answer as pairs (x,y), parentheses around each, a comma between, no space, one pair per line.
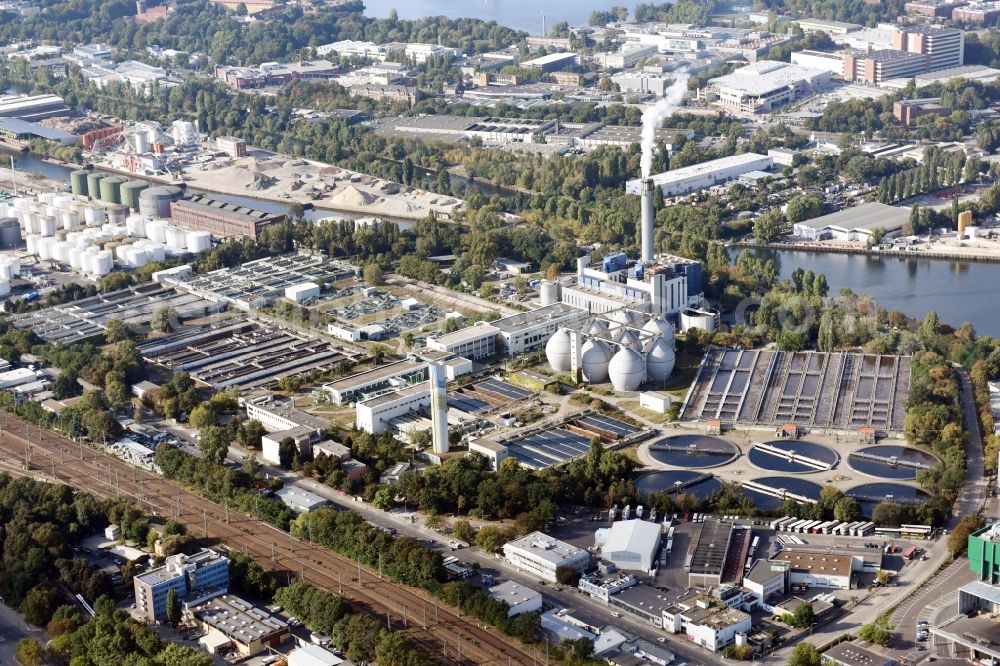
(654,116)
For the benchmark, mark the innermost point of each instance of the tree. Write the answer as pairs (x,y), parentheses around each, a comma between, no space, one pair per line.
(30,652)
(847,510)
(173,608)
(373,274)
(489,539)
(391,650)
(203,416)
(253,431)
(876,632)
(887,514)
(463,531)
(567,575)
(39,605)
(214,443)
(163,319)
(251,465)
(383,499)
(803,617)
(115,330)
(288,452)
(66,385)
(958,540)
(769,226)
(804,654)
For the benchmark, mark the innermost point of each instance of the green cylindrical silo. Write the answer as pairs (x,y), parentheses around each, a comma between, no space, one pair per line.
(130,193)
(78,182)
(111,189)
(94,185)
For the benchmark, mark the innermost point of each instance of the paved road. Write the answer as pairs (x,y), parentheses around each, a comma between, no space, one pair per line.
(13,629)
(937,593)
(975,491)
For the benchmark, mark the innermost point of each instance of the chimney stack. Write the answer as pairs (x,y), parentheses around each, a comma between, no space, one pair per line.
(648,216)
(439,406)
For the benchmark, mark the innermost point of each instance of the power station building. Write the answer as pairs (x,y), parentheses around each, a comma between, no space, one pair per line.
(666,285)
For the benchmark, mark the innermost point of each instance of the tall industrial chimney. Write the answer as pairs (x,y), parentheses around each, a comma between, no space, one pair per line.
(439,406)
(648,216)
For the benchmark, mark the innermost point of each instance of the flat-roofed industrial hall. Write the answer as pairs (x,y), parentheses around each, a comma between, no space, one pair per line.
(838,391)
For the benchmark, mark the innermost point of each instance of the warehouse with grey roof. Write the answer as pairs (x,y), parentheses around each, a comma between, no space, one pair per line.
(855,224)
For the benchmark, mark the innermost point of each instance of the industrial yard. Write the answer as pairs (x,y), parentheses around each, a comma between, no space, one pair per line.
(245,354)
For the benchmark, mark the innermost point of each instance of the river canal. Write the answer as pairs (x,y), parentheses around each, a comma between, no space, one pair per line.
(958,291)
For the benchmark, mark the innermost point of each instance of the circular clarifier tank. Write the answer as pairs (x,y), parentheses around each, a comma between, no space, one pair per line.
(792,456)
(687,482)
(891,461)
(693,451)
(780,485)
(870,494)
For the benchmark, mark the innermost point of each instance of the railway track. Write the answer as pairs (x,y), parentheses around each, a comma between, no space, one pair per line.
(26,450)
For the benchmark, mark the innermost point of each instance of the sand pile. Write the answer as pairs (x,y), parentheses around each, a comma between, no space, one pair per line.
(352,196)
(260,182)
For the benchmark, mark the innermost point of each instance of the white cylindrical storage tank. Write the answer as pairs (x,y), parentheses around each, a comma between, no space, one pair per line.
(595,357)
(61,251)
(32,242)
(660,359)
(4,287)
(198,241)
(138,257)
(557,351)
(76,257)
(141,142)
(176,238)
(48,226)
(156,230)
(549,292)
(15,266)
(6,270)
(626,370)
(156,252)
(95,216)
(45,244)
(103,263)
(701,318)
(135,225)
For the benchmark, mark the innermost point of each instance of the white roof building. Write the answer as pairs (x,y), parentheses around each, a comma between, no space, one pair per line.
(855,224)
(300,500)
(313,655)
(762,86)
(519,598)
(541,555)
(705,174)
(632,544)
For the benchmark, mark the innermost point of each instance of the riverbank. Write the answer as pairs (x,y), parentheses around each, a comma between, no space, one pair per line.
(978,253)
